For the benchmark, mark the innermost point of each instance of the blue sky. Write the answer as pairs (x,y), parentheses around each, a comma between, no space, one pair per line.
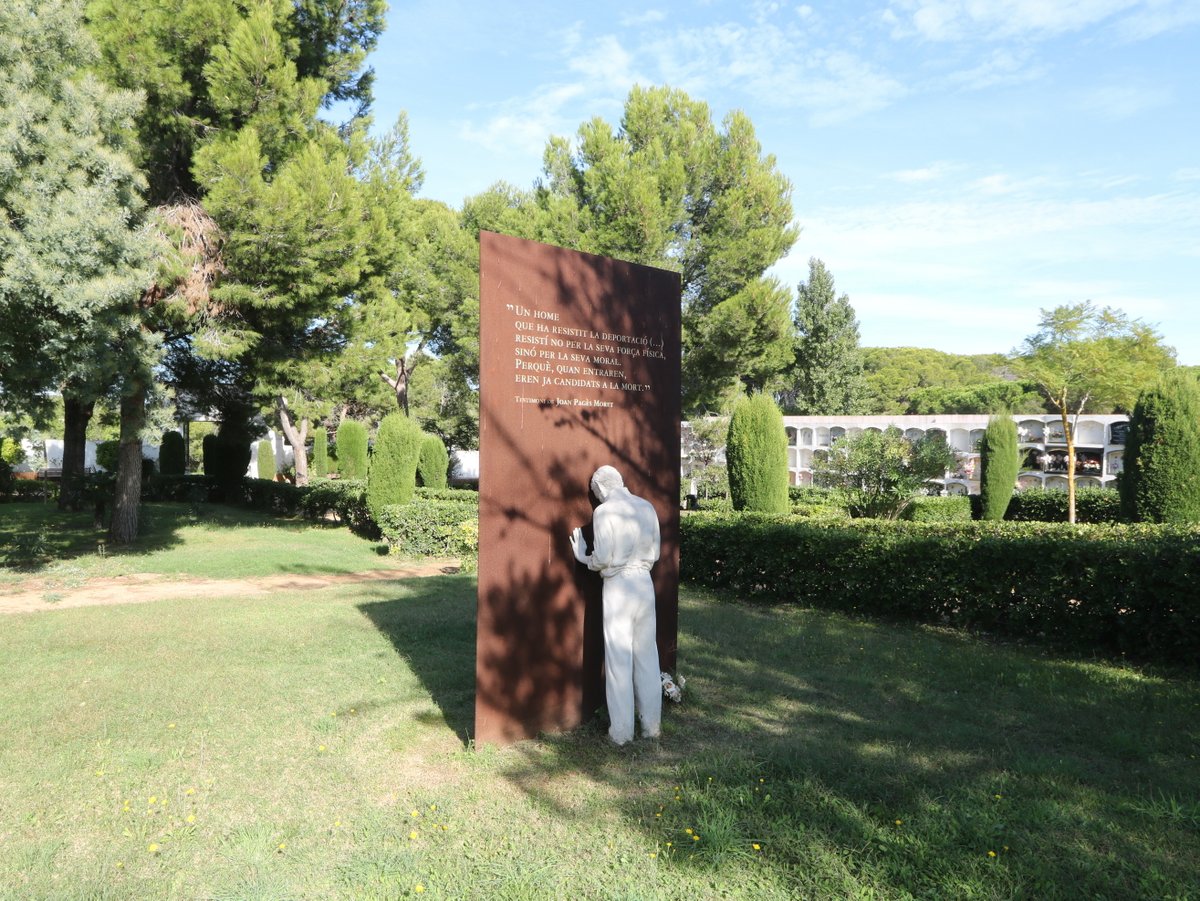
(957,164)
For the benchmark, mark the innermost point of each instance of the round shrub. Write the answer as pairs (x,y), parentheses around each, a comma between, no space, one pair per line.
(320,457)
(351,441)
(172,454)
(756,456)
(392,477)
(433,467)
(1161,481)
(266,460)
(11,452)
(999,462)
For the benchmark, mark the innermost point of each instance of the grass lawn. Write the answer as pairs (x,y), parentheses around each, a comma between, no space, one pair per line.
(313,745)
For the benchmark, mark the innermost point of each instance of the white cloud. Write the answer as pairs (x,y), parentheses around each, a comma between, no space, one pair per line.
(952,20)
(522,125)
(639,20)
(1003,66)
(1116,102)
(931,173)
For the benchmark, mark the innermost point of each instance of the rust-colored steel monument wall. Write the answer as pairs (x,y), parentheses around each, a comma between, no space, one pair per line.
(579,366)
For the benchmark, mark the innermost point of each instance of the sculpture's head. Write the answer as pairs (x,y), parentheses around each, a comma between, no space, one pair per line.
(605,480)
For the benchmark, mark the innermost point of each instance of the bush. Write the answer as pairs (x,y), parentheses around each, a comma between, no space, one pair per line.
(282,498)
(27,490)
(352,449)
(172,454)
(756,456)
(6,477)
(266,461)
(320,458)
(209,451)
(346,499)
(392,476)
(193,489)
(950,508)
(433,527)
(1124,589)
(11,452)
(433,467)
(107,455)
(999,464)
(1161,481)
(1092,505)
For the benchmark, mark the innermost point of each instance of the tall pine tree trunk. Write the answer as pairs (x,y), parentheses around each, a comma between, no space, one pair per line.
(128,495)
(296,438)
(77,413)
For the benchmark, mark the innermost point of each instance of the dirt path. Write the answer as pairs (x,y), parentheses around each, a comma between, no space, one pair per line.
(142,588)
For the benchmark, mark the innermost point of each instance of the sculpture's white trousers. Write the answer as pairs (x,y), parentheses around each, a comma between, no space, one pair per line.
(631,655)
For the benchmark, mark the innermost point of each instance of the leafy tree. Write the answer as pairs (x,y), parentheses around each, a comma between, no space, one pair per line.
(703,445)
(392,476)
(266,460)
(320,458)
(826,376)
(351,445)
(756,455)
(433,467)
(172,454)
(983,397)
(1161,480)
(1083,356)
(895,376)
(72,257)
(999,461)
(666,188)
(881,472)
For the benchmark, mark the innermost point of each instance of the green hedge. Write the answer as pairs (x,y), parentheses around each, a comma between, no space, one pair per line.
(1121,589)
(949,508)
(344,499)
(1092,505)
(31,490)
(433,527)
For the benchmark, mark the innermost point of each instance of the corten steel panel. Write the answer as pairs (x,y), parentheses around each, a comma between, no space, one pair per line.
(557,400)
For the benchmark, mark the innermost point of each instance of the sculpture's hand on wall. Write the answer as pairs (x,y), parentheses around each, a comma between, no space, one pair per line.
(579,546)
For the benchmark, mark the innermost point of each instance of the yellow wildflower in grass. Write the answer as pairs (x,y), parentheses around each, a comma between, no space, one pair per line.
(432,807)
(419,888)
(120,865)
(191,818)
(153,799)
(99,772)
(322,748)
(669,844)
(695,838)
(899,822)
(415,812)
(688,830)
(991,853)
(282,847)
(153,847)
(170,725)
(413,835)
(756,846)
(190,791)
(652,855)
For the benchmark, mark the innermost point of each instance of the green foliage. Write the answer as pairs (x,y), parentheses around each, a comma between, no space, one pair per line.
(226,459)
(266,460)
(949,508)
(1092,505)
(6,478)
(1118,589)
(431,527)
(11,451)
(344,499)
(172,454)
(1161,479)
(107,453)
(320,458)
(985,397)
(826,377)
(1000,461)
(209,453)
(392,475)
(351,446)
(897,377)
(756,456)
(881,472)
(433,468)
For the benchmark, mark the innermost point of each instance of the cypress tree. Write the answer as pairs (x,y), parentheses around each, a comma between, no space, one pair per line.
(999,462)
(266,460)
(433,469)
(352,449)
(172,454)
(320,452)
(756,454)
(393,472)
(210,451)
(1161,481)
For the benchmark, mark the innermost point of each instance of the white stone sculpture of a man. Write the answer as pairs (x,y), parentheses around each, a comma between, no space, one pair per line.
(625,547)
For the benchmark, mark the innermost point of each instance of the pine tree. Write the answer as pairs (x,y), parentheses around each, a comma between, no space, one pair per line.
(433,468)
(1000,462)
(756,455)
(827,374)
(393,473)
(1161,481)
(352,449)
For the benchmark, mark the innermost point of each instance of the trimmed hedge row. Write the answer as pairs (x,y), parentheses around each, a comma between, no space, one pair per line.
(1123,589)
(947,508)
(434,527)
(1092,505)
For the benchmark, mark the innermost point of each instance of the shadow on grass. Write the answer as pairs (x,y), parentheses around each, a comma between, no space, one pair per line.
(873,758)
(432,626)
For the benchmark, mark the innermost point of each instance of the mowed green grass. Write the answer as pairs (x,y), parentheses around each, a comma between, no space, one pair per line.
(314,745)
